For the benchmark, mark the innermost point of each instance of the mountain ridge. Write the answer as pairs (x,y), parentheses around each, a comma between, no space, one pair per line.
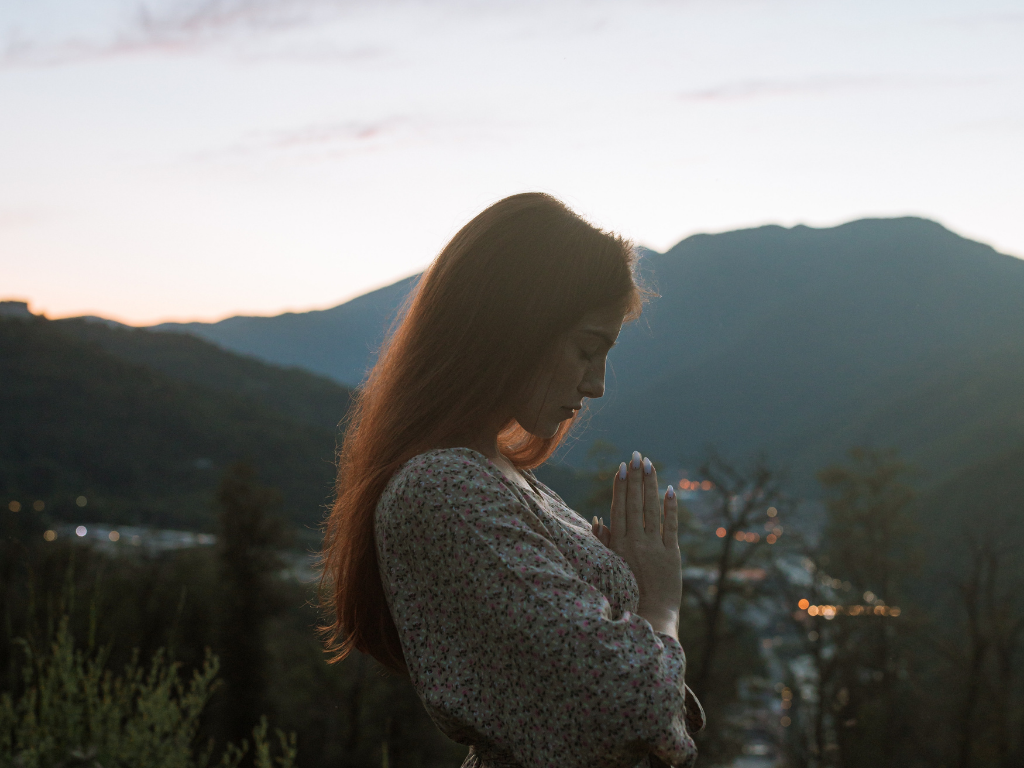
(786,341)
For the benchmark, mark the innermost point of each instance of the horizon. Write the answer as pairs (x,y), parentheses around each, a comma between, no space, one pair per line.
(199,159)
(390,282)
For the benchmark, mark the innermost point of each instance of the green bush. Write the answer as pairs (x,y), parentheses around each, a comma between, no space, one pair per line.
(75,713)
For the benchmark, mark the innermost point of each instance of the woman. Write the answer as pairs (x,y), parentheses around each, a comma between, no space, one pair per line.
(529,634)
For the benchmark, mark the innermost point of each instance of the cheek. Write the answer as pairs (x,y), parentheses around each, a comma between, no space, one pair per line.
(568,380)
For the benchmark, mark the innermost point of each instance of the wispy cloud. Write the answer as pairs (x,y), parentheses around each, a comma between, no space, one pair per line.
(173,28)
(331,134)
(354,137)
(342,137)
(752,89)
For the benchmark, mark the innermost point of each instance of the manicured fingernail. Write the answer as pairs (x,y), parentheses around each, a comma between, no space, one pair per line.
(636,459)
(670,493)
(595,521)
(647,466)
(622,471)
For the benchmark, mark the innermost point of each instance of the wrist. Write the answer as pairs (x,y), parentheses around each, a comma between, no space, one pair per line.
(662,620)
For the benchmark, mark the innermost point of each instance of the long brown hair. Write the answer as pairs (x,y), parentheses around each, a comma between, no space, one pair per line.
(481,320)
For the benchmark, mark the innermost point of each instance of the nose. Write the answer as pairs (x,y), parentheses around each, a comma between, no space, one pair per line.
(593,383)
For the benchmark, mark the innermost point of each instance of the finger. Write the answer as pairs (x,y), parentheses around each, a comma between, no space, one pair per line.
(635,496)
(618,511)
(595,526)
(652,501)
(670,530)
(605,535)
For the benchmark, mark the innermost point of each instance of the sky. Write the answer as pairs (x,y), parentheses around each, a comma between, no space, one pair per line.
(197,159)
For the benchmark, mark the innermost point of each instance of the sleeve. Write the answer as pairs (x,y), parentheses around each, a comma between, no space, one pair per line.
(501,635)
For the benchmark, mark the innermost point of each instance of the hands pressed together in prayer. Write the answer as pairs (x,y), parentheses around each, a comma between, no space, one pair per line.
(644,533)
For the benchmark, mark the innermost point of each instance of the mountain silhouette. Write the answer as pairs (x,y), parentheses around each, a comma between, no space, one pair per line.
(790,342)
(341,342)
(801,342)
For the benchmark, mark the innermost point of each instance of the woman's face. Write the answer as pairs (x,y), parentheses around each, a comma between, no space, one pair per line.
(572,371)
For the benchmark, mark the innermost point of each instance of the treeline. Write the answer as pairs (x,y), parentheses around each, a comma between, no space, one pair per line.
(879,627)
(229,599)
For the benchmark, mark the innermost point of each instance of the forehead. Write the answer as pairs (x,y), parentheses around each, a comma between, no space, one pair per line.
(603,322)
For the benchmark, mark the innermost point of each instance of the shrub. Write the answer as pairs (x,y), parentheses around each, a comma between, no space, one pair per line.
(75,713)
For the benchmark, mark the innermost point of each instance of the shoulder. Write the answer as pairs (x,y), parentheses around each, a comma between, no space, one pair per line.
(443,476)
(446,468)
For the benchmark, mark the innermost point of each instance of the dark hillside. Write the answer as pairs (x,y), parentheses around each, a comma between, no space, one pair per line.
(797,341)
(943,416)
(291,392)
(979,506)
(141,446)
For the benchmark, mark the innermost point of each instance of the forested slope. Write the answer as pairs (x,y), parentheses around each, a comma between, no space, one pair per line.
(147,447)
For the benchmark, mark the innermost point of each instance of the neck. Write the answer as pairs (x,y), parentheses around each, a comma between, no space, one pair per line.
(484,440)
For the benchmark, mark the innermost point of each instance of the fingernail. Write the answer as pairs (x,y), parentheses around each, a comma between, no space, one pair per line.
(595,521)
(670,492)
(647,466)
(622,471)
(636,459)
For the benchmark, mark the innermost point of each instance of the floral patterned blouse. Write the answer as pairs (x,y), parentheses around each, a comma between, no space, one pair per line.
(518,625)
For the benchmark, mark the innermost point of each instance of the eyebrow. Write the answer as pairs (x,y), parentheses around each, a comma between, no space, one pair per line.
(600,334)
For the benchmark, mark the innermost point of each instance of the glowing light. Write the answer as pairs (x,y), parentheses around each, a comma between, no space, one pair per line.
(831,611)
(812,636)
(14,506)
(787,703)
(81,531)
(786,722)
(772,511)
(741,536)
(720,533)
(707,485)
(803,604)
(751,537)
(771,538)
(39,505)
(81,501)
(869,597)
(50,535)
(113,535)
(777,530)
(786,694)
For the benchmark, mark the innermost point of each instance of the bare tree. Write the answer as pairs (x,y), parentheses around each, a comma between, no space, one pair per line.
(743,514)
(987,653)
